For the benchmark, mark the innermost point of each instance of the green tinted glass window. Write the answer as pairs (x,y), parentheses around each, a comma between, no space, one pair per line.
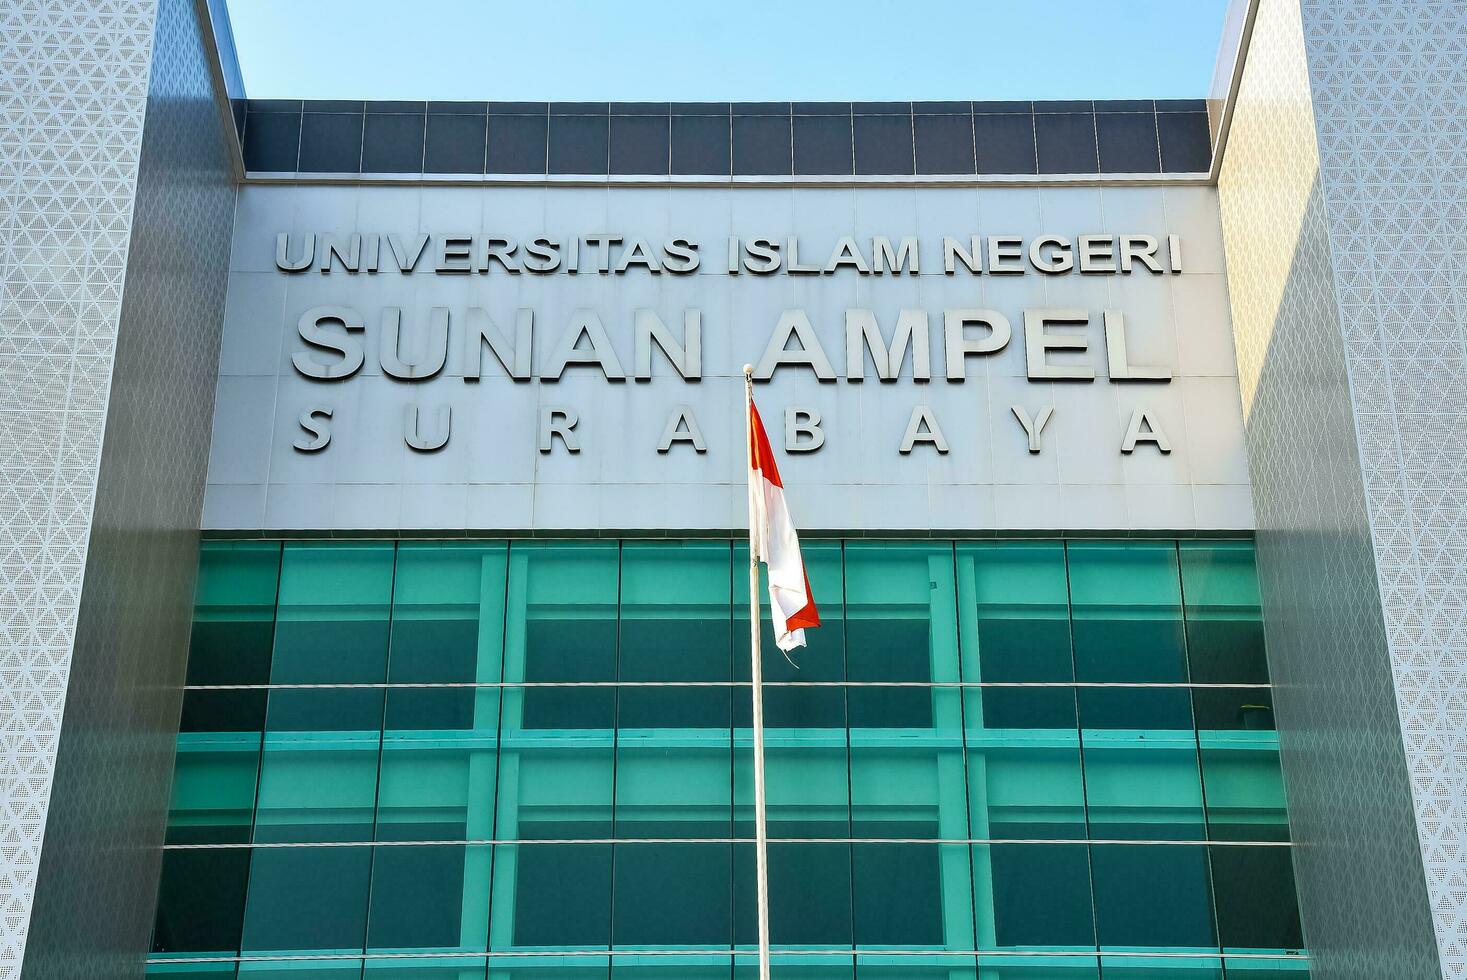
(911,895)
(1224,619)
(1014,619)
(560,625)
(674,744)
(223,711)
(1149,895)
(1126,619)
(214,778)
(319,785)
(823,966)
(440,744)
(684,967)
(201,902)
(672,895)
(673,785)
(234,612)
(441,785)
(914,790)
(561,967)
(551,896)
(675,626)
(807,786)
(447,628)
(1015,611)
(431,898)
(1266,968)
(335,602)
(938,782)
(1244,786)
(1143,787)
(1146,968)
(552,786)
(1037,966)
(442,968)
(233,633)
(308,970)
(901,627)
(901,631)
(1257,908)
(809,895)
(307,899)
(1024,783)
(807,762)
(192,971)
(788,702)
(934,966)
(1243,709)
(1033,896)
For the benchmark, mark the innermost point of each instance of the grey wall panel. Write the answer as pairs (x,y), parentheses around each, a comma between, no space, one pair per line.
(73,91)
(1305,389)
(93,902)
(490,476)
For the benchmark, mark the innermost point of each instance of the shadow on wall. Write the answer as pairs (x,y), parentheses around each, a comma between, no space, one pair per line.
(1361,884)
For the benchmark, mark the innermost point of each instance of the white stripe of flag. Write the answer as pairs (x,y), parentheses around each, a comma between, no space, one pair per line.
(775,543)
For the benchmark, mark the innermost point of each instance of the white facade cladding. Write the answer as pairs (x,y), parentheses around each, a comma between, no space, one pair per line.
(1342,188)
(75,90)
(608,394)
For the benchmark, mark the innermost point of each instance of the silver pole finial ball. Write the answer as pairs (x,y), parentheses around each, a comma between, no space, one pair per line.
(748,370)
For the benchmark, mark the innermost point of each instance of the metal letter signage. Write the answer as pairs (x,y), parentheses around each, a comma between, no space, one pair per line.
(421,356)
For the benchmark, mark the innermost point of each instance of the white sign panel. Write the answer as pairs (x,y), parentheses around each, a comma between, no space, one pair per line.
(514,359)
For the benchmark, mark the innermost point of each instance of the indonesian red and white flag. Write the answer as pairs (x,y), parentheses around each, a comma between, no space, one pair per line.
(792,606)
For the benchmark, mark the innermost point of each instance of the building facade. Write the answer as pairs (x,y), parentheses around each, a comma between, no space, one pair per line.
(376,542)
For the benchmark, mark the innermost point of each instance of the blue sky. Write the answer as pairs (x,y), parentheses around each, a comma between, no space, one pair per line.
(753,50)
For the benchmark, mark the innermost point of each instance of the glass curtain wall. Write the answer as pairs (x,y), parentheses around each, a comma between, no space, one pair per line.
(996,760)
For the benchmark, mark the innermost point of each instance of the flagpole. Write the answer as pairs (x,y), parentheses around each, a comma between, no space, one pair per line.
(761,829)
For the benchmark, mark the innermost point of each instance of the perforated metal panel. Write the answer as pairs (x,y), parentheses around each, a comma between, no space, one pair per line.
(97,544)
(1342,204)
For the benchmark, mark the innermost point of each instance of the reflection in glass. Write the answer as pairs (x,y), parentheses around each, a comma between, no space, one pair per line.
(307,899)
(672,895)
(1257,908)
(1244,786)
(616,789)
(1142,785)
(440,744)
(1224,619)
(1127,624)
(433,898)
(1152,895)
(1014,617)
(1024,783)
(1033,896)
(319,783)
(807,774)
(201,897)
(214,778)
(548,896)
(560,625)
(912,896)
